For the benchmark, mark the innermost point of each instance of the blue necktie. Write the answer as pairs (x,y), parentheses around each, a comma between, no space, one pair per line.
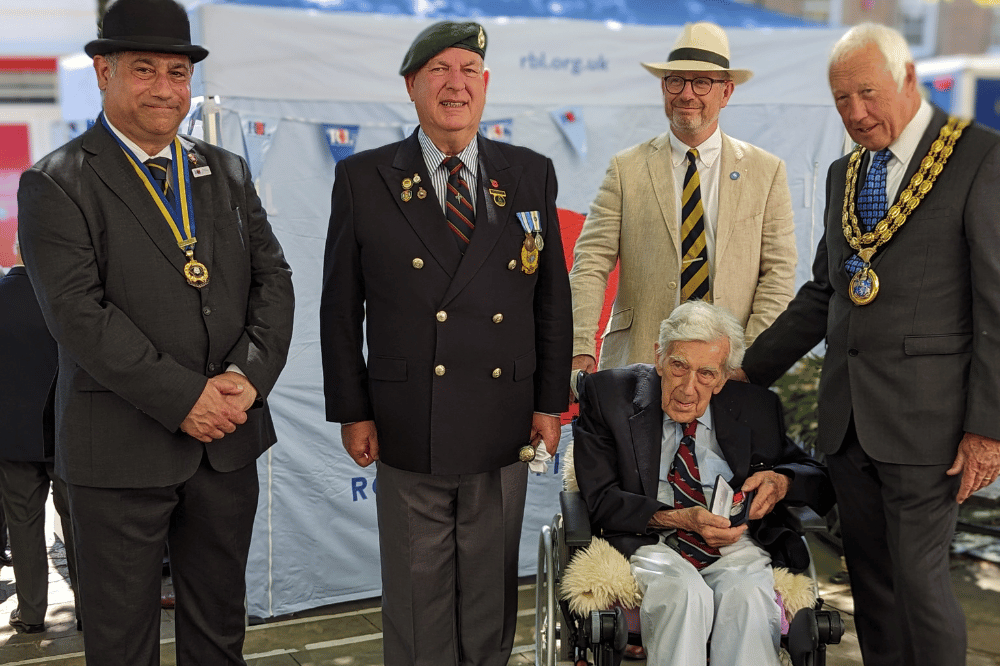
(871,205)
(158,167)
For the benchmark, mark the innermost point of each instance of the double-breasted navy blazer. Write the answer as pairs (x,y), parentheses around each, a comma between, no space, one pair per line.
(461,349)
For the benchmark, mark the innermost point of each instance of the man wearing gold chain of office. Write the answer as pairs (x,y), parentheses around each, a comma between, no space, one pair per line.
(905,293)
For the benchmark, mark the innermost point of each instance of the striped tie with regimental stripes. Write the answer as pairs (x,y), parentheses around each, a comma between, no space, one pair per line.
(694,252)
(458,208)
(686,482)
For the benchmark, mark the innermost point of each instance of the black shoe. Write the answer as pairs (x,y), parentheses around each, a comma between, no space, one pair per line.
(5,557)
(22,626)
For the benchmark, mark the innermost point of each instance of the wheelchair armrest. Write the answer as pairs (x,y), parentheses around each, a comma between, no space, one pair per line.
(802,519)
(576,520)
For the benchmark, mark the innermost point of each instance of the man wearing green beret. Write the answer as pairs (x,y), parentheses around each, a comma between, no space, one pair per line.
(448,245)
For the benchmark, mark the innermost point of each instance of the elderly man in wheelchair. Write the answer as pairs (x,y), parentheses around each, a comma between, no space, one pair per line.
(655,446)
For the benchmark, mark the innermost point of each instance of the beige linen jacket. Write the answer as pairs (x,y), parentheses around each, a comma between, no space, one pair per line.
(633,219)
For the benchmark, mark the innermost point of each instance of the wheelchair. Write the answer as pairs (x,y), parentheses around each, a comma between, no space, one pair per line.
(561,634)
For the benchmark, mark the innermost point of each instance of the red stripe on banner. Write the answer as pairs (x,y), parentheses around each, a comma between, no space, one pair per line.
(28,64)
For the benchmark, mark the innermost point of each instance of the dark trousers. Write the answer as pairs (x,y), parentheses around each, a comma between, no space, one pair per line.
(25,487)
(897,523)
(206,523)
(449,565)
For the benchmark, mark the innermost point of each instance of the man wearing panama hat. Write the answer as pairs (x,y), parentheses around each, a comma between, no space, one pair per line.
(691,214)
(160,279)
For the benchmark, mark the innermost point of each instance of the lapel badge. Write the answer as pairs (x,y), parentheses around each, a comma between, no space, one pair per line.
(499,196)
(421,193)
(494,183)
(407,183)
(416,179)
(198,172)
(406,195)
(192,158)
(734,175)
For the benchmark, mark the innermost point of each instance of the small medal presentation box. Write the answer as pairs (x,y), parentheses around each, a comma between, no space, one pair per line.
(722,503)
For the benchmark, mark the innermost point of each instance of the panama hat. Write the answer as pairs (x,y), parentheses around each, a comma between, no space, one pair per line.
(702,47)
(158,26)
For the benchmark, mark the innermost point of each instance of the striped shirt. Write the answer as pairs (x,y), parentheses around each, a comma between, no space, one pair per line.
(439,175)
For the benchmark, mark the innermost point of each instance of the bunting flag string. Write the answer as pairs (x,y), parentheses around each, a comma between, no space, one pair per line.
(342,139)
(258,133)
(497,130)
(570,121)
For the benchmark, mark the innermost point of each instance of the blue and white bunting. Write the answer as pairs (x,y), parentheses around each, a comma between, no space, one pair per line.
(258,133)
(570,121)
(342,139)
(497,130)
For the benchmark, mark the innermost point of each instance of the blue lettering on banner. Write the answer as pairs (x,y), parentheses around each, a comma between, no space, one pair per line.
(358,486)
(569,64)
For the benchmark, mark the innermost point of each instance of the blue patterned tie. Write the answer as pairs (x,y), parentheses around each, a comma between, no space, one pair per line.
(686,482)
(871,206)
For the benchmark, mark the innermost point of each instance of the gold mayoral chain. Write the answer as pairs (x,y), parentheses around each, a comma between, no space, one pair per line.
(864,284)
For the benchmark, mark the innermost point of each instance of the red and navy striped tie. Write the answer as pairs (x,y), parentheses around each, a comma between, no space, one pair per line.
(458,203)
(686,482)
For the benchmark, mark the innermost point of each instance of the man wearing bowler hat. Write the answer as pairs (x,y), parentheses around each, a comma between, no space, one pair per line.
(160,279)
(448,244)
(690,214)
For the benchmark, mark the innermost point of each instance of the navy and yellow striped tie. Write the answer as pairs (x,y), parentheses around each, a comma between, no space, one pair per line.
(694,252)
(158,168)
(458,208)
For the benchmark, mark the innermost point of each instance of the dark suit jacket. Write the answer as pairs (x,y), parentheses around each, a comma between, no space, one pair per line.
(920,365)
(617,443)
(504,344)
(28,359)
(136,341)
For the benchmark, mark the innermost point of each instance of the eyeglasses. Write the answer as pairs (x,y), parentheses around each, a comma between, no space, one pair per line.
(701,85)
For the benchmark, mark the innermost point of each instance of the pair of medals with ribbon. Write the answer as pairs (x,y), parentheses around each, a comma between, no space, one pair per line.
(533,243)
(178,211)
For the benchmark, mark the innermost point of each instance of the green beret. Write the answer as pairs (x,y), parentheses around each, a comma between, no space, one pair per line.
(440,36)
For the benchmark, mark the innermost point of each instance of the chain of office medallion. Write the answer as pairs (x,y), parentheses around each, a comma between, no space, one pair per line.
(921,183)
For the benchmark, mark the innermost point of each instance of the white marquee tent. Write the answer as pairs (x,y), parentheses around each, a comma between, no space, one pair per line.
(294,86)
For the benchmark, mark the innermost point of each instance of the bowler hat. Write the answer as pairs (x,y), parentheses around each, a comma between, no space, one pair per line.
(702,47)
(160,26)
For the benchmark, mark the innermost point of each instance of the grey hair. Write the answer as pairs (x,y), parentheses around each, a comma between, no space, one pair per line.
(112,60)
(698,321)
(890,43)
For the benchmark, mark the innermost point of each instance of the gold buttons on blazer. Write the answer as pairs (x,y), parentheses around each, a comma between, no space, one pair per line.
(418,262)
(496,373)
(497,318)
(672,285)
(439,370)
(441,316)
(512,265)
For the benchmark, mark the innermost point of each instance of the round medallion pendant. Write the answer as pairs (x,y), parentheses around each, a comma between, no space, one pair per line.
(864,287)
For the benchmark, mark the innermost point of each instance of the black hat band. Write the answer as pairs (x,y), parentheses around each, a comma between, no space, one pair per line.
(699,54)
(151,39)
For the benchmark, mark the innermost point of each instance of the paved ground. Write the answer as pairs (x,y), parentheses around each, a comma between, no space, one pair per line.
(350,634)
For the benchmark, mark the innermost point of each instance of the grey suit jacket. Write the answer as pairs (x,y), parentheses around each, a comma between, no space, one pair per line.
(633,219)
(137,343)
(920,365)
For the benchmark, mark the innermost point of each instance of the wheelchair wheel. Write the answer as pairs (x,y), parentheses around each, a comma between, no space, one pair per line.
(546,612)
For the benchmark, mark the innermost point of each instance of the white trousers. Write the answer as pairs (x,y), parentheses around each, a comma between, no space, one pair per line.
(730,602)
